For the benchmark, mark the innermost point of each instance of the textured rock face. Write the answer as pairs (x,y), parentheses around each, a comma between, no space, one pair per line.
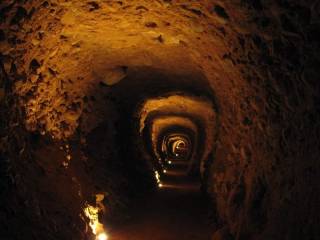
(260,58)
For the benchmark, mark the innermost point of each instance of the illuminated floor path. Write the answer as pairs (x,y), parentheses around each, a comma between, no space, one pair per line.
(177,212)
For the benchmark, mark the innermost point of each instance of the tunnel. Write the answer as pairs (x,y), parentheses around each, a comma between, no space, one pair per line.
(159,120)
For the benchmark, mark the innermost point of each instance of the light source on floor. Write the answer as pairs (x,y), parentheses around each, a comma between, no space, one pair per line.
(157,176)
(102,236)
(92,213)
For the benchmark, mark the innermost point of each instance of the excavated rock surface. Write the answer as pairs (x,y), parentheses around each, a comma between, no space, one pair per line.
(261,58)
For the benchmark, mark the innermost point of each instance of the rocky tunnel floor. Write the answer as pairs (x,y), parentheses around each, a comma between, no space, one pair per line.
(178,210)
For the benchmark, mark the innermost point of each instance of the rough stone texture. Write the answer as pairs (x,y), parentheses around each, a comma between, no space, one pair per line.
(260,57)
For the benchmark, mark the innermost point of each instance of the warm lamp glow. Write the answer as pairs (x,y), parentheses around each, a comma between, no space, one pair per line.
(157,175)
(92,213)
(102,236)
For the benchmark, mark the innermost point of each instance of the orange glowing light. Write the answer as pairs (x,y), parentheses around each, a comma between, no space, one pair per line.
(92,213)
(102,236)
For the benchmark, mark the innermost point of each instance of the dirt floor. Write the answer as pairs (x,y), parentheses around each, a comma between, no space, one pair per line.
(178,210)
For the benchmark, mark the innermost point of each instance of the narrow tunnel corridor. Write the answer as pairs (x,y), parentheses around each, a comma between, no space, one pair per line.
(159,120)
(176,130)
(169,133)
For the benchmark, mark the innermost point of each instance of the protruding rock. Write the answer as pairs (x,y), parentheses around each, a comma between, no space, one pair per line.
(112,76)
